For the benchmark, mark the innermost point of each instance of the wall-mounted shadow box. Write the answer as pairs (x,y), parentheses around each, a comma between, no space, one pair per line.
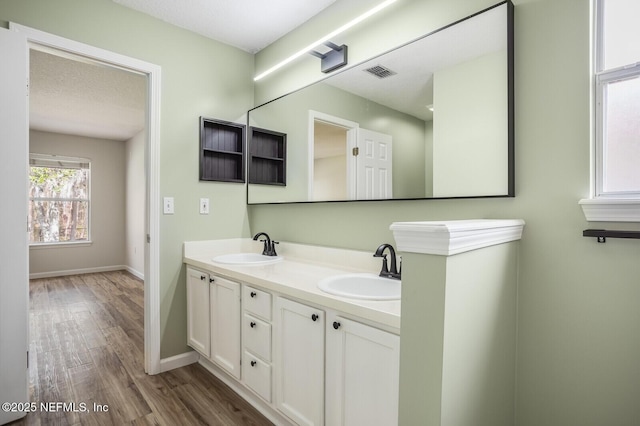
(267,157)
(221,150)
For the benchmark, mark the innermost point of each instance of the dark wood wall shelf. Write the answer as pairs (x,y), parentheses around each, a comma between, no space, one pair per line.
(267,157)
(221,150)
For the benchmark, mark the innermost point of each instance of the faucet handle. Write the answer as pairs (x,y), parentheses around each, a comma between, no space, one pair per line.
(385,267)
(266,249)
(273,248)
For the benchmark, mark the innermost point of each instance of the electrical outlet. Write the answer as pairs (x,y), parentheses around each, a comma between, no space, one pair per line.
(204,206)
(168,205)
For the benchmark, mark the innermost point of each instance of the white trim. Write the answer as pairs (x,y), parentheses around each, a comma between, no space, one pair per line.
(611,210)
(601,78)
(134,272)
(66,272)
(40,39)
(178,361)
(454,236)
(63,244)
(351,143)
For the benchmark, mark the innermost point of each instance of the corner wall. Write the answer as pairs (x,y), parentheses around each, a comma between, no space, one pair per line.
(135,237)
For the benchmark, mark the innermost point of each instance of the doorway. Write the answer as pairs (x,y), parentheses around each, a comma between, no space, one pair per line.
(331,161)
(53,44)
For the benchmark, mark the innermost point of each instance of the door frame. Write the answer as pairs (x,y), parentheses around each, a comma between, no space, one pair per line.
(352,139)
(41,40)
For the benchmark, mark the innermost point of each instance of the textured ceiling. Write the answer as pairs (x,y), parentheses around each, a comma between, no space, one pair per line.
(87,99)
(249,25)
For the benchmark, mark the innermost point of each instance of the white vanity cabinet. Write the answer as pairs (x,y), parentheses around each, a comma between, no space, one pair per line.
(299,355)
(256,341)
(225,324)
(362,374)
(213,318)
(303,362)
(198,322)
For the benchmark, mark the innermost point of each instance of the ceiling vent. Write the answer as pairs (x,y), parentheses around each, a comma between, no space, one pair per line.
(380,71)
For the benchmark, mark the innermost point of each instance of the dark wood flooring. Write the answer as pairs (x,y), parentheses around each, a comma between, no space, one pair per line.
(87,349)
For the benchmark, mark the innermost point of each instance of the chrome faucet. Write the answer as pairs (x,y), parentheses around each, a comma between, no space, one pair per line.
(269,245)
(394,273)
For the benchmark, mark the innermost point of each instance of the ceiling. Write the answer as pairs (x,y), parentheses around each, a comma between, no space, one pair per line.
(250,25)
(85,99)
(93,100)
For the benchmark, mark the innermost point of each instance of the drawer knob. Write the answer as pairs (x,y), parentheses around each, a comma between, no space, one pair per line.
(252,324)
(314,317)
(336,325)
(253,363)
(253,294)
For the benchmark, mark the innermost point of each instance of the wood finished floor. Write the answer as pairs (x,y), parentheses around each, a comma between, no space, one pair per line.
(87,346)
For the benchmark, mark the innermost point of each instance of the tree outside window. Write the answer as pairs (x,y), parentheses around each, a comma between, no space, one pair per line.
(58,199)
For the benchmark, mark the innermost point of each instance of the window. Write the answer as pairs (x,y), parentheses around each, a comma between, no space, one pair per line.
(59,199)
(616,192)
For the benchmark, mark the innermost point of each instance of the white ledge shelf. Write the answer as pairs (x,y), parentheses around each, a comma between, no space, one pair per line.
(611,210)
(454,236)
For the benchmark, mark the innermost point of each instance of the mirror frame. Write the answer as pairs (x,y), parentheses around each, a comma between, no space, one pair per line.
(510,114)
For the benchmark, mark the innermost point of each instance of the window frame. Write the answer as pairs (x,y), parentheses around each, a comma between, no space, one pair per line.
(78,161)
(606,206)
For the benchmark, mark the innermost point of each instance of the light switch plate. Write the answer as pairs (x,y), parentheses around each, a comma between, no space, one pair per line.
(168,205)
(204,206)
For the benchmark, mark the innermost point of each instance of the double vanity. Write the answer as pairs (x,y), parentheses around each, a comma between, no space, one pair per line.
(309,335)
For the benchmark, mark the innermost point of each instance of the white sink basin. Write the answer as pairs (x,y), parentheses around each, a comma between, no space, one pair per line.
(246,259)
(362,286)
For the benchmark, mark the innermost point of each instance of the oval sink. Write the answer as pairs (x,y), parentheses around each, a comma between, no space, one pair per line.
(362,286)
(246,259)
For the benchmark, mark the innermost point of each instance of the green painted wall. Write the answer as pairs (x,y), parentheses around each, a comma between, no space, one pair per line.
(578,301)
(199,77)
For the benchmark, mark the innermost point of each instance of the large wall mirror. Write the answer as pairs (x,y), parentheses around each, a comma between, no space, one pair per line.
(430,119)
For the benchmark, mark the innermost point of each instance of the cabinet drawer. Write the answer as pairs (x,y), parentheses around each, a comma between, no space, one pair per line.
(257,375)
(257,336)
(257,302)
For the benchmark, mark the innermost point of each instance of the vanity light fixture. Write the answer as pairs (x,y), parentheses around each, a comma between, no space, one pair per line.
(333,59)
(326,38)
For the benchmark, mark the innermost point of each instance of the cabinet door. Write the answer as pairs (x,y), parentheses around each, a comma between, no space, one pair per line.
(225,324)
(363,369)
(299,361)
(198,332)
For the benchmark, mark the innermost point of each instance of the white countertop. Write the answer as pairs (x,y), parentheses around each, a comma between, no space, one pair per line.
(298,274)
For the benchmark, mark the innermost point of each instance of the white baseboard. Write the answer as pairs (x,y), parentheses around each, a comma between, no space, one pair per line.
(51,274)
(135,272)
(178,361)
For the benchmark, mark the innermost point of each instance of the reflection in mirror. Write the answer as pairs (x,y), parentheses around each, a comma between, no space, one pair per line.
(431,119)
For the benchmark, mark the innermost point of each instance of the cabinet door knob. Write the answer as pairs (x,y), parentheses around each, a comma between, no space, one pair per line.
(253,363)
(336,325)
(314,317)
(252,324)
(211,280)
(202,277)
(253,294)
